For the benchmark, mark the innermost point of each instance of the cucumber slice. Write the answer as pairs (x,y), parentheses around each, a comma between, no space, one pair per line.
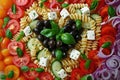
(33,24)
(56,66)
(95,16)
(43,53)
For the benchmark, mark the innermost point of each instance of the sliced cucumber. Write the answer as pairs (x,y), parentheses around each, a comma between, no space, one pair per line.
(33,24)
(56,66)
(95,16)
(43,53)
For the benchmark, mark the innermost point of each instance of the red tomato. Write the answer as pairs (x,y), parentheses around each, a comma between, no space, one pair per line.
(21,2)
(31,75)
(106,38)
(92,53)
(2,33)
(88,2)
(47,4)
(76,74)
(29,3)
(93,66)
(55,6)
(13,46)
(21,61)
(13,25)
(45,76)
(103,11)
(74,1)
(19,13)
(100,4)
(106,51)
(108,30)
(5,42)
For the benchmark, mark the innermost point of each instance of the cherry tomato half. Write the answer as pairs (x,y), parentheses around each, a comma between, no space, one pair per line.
(13,25)
(2,33)
(45,76)
(31,75)
(19,13)
(21,2)
(13,46)
(1,23)
(21,61)
(29,3)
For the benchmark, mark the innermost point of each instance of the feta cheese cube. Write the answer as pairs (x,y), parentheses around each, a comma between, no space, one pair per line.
(90,35)
(27,31)
(62,74)
(64,13)
(74,54)
(33,15)
(52,15)
(85,10)
(43,61)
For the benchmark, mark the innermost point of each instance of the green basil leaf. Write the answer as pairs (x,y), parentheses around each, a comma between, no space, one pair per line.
(1,39)
(64,5)
(48,32)
(32,69)
(39,69)
(11,74)
(94,4)
(87,63)
(60,0)
(43,0)
(55,27)
(25,68)
(9,34)
(6,20)
(21,35)
(2,76)
(84,56)
(41,4)
(111,11)
(78,24)
(58,36)
(37,79)
(57,78)
(86,77)
(19,52)
(14,9)
(106,45)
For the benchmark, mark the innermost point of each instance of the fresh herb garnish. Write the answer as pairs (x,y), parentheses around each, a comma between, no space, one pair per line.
(6,20)
(25,68)
(64,5)
(94,4)
(11,74)
(39,69)
(87,63)
(106,45)
(19,52)
(78,24)
(21,35)
(42,3)
(9,34)
(14,9)
(111,11)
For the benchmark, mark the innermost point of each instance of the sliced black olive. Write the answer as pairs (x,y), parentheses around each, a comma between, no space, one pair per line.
(74,32)
(70,22)
(36,31)
(40,25)
(47,24)
(40,37)
(51,43)
(64,55)
(73,27)
(59,43)
(45,42)
(64,48)
(53,53)
(67,28)
(70,46)
(78,37)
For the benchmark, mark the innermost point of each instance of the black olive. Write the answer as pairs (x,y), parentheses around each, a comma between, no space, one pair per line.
(51,43)
(67,28)
(64,55)
(74,32)
(36,31)
(40,25)
(40,37)
(70,22)
(53,53)
(73,27)
(70,46)
(64,48)
(78,37)
(45,43)
(81,30)
(59,43)
(47,24)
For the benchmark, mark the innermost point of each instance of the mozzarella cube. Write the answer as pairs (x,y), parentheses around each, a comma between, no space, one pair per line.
(85,10)
(52,15)
(43,61)
(90,35)
(62,74)
(27,31)
(74,54)
(64,13)
(33,15)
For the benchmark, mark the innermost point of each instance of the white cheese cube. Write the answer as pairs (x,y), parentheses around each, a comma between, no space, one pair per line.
(62,74)
(52,15)
(33,14)
(74,54)
(64,13)
(85,10)
(27,31)
(90,35)
(43,61)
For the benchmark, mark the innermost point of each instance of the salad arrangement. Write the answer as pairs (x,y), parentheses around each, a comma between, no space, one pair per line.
(59,39)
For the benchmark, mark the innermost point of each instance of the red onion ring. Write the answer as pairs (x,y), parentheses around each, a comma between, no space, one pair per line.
(113,3)
(102,55)
(118,10)
(113,62)
(116,21)
(118,46)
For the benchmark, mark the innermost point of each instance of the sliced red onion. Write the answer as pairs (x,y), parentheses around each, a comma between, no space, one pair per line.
(113,62)
(113,3)
(118,47)
(105,74)
(116,21)
(118,10)
(118,26)
(102,55)
(118,36)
